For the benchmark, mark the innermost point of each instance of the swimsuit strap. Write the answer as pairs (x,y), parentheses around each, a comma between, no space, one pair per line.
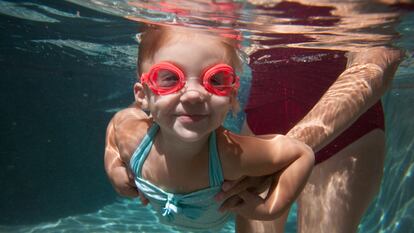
(215,170)
(140,154)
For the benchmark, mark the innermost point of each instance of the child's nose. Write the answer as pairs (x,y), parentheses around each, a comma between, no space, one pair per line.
(193,92)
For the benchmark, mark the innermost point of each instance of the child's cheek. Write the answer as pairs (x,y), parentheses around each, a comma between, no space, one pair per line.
(222,106)
(163,104)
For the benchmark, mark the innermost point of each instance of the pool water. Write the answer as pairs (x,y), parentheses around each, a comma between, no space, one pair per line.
(68,68)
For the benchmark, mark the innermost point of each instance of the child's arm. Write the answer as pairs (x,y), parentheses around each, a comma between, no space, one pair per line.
(290,159)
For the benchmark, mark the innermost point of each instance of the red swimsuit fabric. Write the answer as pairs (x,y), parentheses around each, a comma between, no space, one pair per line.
(288,82)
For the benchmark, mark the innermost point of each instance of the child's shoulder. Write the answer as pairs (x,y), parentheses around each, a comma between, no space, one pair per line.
(227,137)
(235,148)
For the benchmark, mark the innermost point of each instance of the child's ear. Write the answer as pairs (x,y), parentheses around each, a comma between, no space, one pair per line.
(140,97)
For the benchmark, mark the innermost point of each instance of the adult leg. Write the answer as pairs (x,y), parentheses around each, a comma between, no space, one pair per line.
(244,225)
(341,188)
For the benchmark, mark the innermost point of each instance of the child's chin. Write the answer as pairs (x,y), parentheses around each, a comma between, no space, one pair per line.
(190,135)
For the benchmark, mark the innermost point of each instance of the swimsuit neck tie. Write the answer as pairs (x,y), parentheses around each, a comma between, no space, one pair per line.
(170,208)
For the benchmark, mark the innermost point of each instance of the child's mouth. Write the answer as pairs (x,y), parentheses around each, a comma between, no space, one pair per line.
(190,118)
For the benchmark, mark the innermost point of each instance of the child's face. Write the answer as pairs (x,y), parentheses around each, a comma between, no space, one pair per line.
(192,113)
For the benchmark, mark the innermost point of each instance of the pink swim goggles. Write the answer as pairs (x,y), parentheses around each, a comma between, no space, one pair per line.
(166,78)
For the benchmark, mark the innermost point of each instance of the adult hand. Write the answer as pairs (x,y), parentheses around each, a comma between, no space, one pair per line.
(250,197)
(243,190)
(122,180)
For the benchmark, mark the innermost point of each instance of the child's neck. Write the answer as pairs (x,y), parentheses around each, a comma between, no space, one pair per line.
(181,149)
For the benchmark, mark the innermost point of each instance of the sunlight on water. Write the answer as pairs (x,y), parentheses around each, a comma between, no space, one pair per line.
(21,11)
(393,210)
(33,11)
(357,28)
(115,55)
(122,216)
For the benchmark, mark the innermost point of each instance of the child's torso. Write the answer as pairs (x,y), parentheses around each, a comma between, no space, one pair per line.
(166,171)
(175,175)
(195,209)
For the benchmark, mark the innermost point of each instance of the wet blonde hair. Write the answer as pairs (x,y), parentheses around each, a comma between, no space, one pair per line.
(155,36)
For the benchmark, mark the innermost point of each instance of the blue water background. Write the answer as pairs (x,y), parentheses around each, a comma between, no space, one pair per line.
(66,70)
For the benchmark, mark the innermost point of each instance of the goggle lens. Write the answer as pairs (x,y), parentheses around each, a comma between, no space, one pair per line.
(165,78)
(222,80)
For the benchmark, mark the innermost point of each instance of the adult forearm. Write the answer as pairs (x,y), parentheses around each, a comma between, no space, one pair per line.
(355,90)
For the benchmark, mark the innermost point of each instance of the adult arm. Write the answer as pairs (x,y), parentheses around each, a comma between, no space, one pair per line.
(368,75)
(118,172)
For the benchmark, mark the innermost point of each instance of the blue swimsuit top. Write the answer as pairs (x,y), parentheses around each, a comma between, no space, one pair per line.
(192,211)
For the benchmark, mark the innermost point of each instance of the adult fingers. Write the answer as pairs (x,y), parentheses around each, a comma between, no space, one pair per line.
(121,182)
(131,177)
(231,188)
(144,200)
(249,206)
(249,197)
(264,185)
(245,200)
(230,203)
(127,191)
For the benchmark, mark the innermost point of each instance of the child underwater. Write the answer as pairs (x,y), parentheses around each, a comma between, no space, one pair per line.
(179,154)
